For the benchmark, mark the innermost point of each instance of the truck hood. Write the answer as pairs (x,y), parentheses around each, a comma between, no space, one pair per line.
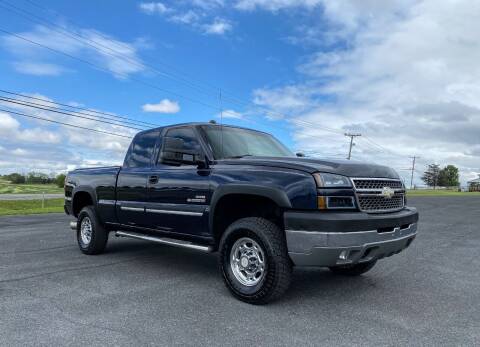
(348,168)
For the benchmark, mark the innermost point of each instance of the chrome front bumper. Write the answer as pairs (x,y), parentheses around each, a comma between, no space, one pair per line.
(313,248)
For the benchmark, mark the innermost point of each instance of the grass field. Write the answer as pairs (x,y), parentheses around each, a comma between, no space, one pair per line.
(432,192)
(21,207)
(11,188)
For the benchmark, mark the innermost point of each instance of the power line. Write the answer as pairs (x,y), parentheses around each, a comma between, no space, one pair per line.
(133,79)
(108,71)
(81,108)
(63,123)
(60,111)
(153,68)
(96,45)
(382,148)
(180,74)
(113,115)
(118,54)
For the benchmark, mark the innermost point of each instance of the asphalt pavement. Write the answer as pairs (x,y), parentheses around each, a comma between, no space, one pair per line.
(139,293)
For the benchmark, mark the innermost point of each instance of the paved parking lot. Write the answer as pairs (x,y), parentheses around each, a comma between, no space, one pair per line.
(145,294)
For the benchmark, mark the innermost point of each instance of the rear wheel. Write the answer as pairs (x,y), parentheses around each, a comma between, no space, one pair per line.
(254,260)
(353,270)
(91,236)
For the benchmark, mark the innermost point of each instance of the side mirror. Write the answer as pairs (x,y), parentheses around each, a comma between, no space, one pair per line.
(175,153)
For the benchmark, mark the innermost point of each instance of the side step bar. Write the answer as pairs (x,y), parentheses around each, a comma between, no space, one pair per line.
(165,241)
(73,225)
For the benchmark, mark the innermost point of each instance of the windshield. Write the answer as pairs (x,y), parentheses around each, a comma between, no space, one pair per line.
(239,143)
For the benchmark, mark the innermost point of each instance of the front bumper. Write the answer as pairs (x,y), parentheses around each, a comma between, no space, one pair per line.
(330,239)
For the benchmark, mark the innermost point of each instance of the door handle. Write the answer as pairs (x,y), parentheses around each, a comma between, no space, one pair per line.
(153,179)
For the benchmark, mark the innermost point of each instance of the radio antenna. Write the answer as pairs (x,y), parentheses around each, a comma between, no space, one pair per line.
(221,121)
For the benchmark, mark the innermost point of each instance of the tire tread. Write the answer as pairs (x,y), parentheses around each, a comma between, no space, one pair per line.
(100,235)
(275,285)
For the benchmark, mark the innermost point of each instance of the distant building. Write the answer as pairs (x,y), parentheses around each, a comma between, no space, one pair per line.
(474,185)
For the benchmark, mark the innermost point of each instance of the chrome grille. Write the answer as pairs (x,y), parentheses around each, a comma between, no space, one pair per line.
(379,203)
(377,184)
(370,195)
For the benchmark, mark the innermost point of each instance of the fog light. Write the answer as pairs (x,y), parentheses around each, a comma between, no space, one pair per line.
(343,255)
(340,202)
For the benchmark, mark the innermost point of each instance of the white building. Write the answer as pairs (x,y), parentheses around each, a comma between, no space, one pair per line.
(474,185)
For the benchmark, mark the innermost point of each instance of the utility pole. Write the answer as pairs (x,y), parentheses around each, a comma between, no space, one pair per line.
(413,169)
(351,142)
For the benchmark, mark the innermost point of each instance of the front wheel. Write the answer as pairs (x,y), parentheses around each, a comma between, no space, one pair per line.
(254,260)
(353,270)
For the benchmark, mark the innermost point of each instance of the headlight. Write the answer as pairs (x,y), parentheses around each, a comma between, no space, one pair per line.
(326,180)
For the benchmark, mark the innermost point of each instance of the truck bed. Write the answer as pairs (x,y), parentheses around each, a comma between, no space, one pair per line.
(100,182)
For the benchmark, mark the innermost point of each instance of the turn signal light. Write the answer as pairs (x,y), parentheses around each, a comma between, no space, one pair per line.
(321,202)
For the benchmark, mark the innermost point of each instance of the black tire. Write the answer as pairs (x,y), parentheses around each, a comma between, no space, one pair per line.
(277,272)
(99,236)
(353,270)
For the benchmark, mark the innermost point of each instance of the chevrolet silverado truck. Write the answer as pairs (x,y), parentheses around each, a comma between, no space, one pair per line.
(241,193)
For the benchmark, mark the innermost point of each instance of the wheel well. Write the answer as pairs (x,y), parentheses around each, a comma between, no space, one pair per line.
(80,200)
(235,206)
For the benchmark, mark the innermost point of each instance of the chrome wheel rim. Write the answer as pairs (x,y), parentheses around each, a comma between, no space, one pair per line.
(247,261)
(86,230)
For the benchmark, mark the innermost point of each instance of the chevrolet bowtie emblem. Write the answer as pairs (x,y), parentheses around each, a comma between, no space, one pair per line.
(387,192)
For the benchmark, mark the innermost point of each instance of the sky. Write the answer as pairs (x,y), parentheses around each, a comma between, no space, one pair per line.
(404,74)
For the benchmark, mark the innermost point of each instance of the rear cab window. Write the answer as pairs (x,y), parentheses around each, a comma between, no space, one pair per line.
(141,150)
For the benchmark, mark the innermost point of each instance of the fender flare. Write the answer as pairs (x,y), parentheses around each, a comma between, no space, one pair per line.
(85,189)
(277,195)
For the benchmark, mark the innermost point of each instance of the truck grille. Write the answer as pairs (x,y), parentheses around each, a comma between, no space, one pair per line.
(379,195)
(379,203)
(377,184)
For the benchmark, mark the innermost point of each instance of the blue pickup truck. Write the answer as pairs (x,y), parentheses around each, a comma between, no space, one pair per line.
(241,193)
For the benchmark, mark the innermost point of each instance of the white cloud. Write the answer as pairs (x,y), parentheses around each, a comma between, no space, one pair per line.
(19,152)
(406,76)
(218,27)
(37,135)
(292,98)
(7,123)
(118,57)
(11,131)
(38,69)
(275,5)
(196,14)
(231,114)
(153,7)
(42,146)
(164,106)
(188,17)
(208,4)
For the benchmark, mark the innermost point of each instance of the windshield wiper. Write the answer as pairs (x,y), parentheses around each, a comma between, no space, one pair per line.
(239,156)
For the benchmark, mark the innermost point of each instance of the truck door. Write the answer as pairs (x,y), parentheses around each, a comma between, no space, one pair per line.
(132,179)
(179,194)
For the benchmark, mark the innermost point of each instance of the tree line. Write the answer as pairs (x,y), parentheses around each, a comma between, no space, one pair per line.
(35,178)
(448,176)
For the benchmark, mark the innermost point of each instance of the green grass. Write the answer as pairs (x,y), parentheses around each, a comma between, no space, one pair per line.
(432,192)
(22,207)
(11,188)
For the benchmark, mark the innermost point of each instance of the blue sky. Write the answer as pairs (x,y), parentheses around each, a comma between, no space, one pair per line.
(305,70)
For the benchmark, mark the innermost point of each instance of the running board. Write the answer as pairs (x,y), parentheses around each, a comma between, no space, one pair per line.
(165,241)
